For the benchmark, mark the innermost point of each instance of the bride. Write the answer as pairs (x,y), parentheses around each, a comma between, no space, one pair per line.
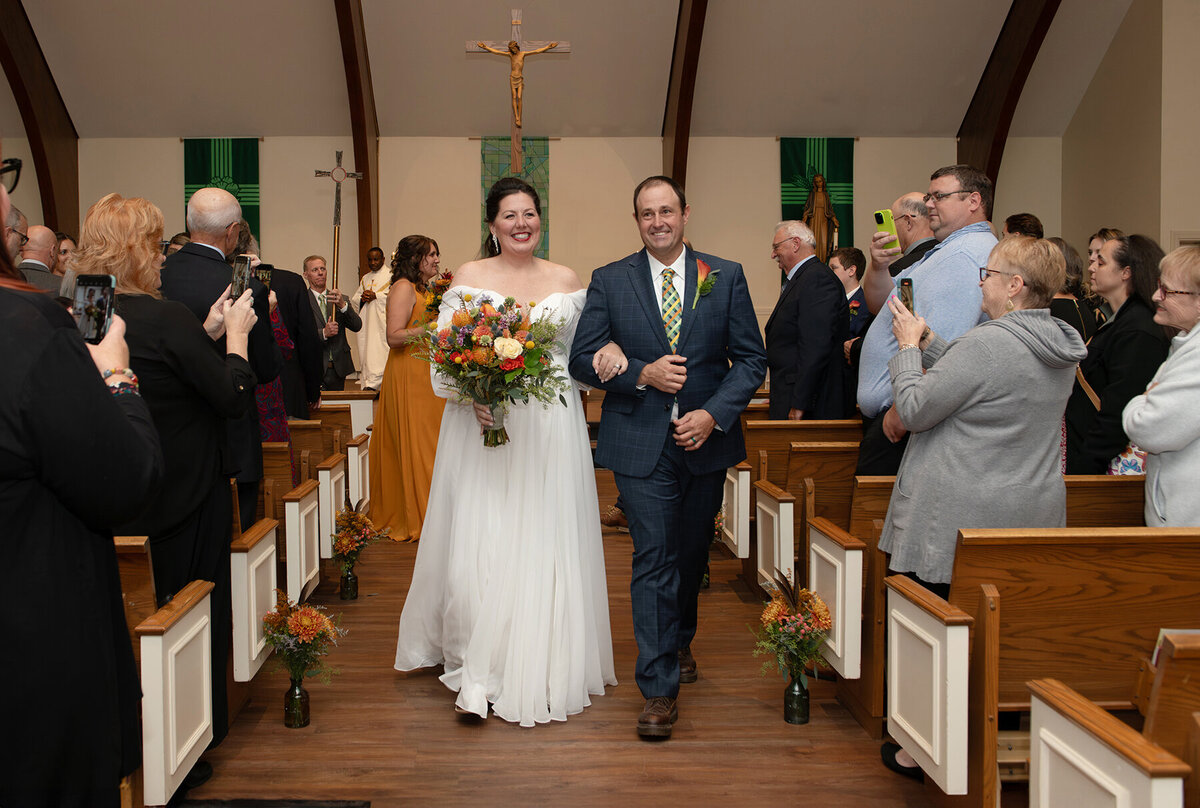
(509,591)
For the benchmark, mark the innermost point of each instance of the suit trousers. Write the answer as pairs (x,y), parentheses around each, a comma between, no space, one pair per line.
(332,380)
(670,515)
(878,456)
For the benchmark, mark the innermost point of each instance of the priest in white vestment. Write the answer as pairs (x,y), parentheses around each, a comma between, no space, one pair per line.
(372,337)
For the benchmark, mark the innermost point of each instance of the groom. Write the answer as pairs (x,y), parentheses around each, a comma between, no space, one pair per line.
(670,421)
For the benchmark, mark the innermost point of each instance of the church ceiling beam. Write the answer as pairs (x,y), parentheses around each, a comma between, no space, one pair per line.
(677,122)
(52,136)
(364,123)
(984,129)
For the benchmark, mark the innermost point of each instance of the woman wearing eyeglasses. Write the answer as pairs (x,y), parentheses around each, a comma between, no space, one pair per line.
(985,414)
(1122,356)
(1163,419)
(986,418)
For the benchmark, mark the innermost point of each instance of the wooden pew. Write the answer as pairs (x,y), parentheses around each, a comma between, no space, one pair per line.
(819,479)
(278,479)
(137,584)
(336,427)
(1082,755)
(176,683)
(253,576)
(767,447)
(1077,605)
(1175,694)
(358,470)
(302,526)
(1092,501)
(308,445)
(362,407)
(331,498)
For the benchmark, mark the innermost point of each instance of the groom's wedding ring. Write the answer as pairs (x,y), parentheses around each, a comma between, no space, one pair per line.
(693,440)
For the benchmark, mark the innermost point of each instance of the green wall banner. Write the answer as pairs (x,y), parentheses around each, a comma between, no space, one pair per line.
(496,162)
(801,159)
(228,163)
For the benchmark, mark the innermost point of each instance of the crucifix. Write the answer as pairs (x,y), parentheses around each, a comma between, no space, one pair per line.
(516,49)
(338,175)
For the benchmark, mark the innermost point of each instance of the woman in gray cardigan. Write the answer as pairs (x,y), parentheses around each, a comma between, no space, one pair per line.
(986,416)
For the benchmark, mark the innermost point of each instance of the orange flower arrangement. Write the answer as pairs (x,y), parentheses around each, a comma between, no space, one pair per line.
(301,637)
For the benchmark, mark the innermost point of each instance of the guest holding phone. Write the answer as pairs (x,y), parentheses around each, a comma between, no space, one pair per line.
(80,455)
(985,411)
(191,389)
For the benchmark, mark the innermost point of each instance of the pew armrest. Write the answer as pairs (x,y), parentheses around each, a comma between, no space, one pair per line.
(260,530)
(937,608)
(184,601)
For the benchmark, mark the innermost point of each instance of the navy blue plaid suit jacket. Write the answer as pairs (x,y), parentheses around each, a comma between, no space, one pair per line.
(726,362)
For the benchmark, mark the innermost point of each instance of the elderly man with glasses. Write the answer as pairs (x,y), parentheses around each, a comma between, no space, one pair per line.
(945,292)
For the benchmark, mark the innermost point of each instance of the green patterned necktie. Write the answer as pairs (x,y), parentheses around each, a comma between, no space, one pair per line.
(672,311)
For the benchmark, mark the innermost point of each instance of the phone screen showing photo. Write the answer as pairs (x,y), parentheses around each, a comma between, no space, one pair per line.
(263,272)
(92,305)
(241,277)
(906,294)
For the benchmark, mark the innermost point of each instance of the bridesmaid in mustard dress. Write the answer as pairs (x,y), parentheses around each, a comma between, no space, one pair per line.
(405,436)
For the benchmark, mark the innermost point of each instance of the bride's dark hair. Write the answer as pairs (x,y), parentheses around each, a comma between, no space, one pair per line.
(505,186)
(410,252)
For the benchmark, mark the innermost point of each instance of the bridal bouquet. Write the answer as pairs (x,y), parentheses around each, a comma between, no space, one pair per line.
(494,355)
(794,627)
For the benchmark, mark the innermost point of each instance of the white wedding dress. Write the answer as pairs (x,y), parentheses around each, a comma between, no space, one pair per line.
(509,590)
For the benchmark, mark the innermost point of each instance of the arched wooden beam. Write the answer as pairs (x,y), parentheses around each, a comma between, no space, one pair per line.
(677,122)
(364,123)
(52,136)
(984,129)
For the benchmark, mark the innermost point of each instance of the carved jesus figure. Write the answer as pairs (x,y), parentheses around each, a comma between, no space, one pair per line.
(516,81)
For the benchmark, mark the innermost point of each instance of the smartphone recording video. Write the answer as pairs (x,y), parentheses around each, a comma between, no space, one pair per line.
(885,222)
(92,305)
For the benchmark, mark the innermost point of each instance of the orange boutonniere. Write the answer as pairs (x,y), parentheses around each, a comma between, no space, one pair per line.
(705,280)
(854,306)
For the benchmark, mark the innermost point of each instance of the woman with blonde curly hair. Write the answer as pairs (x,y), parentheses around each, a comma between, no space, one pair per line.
(191,390)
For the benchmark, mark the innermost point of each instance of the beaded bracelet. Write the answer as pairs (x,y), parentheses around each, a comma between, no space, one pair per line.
(120,372)
(123,389)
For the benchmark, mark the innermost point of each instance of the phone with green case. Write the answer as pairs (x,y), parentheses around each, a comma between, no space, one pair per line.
(885,223)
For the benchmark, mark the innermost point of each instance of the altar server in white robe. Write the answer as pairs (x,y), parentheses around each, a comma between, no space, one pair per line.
(370,301)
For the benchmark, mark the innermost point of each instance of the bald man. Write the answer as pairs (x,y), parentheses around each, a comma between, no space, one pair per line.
(912,229)
(38,258)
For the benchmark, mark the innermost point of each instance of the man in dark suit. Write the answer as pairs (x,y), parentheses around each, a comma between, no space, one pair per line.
(301,375)
(196,276)
(690,359)
(334,316)
(806,332)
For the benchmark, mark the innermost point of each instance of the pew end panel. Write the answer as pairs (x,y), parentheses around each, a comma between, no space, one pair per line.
(1191,756)
(302,526)
(835,574)
(176,671)
(773,527)
(735,534)
(927,688)
(864,697)
(253,574)
(358,470)
(1082,755)
(331,483)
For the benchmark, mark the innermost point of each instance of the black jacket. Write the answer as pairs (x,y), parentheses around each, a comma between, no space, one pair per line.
(1122,359)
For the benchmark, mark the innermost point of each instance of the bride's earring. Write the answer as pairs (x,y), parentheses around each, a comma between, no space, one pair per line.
(495,243)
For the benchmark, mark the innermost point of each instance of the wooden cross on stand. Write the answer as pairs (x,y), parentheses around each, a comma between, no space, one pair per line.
(338,175)
(516,49)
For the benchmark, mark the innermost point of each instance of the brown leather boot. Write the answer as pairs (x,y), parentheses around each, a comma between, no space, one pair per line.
(657,718)
(688,672)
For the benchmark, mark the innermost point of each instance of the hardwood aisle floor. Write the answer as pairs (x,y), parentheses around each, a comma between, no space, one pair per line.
(395,740)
